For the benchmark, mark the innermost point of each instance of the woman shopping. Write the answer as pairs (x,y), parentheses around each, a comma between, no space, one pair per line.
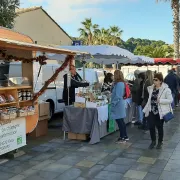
(118,110)
(158,105)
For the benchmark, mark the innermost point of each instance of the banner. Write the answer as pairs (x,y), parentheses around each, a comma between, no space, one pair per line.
(112,123)
(12,135)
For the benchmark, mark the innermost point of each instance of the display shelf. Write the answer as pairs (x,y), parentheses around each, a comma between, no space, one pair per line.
(8,104)
(26,101)
(15,87)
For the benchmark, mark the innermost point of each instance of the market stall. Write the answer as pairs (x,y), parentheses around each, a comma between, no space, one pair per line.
(19,113)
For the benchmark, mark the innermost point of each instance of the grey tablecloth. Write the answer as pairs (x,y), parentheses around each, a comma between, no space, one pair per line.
(82,121)
(85,121)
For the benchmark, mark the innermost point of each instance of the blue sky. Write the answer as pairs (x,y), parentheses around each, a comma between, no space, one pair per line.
(137,18)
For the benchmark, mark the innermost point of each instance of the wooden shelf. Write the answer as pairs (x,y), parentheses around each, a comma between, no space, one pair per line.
(8,104)
(15,87)
(25,101)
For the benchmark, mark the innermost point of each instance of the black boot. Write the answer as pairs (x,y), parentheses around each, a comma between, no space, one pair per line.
(159,146)
(152,145)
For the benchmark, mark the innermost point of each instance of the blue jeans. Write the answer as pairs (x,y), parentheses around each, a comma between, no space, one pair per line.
(122,128)
(140,113)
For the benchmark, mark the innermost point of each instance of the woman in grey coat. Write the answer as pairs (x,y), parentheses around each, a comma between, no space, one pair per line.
(118,109)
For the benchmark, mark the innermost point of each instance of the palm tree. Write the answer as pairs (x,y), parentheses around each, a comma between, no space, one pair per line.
(88,31)
(175,8)
(116,33)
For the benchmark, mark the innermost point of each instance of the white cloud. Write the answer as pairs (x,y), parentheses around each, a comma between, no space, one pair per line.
(68,11)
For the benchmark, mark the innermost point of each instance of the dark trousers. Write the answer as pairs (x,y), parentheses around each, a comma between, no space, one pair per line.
(154,123)
(122,128)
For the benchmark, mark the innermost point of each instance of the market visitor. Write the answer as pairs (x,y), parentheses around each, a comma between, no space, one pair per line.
(118,110)
(172,82)
(135,98)
(158,105)
(76,81)
(147,82)
(107,85)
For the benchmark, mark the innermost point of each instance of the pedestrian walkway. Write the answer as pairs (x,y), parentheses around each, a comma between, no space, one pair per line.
(72,160)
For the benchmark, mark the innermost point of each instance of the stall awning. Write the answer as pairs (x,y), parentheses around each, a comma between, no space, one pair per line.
(167,61)
(12,44)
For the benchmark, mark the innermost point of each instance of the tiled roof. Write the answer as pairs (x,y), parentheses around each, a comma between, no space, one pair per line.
(24,10)
(14,35)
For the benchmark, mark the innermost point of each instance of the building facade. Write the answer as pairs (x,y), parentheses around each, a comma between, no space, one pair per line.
(36,23)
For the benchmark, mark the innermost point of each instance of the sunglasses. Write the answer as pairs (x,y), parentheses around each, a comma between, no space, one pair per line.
(155,79)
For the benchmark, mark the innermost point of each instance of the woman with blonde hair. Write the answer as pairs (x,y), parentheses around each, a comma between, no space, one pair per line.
(118,110)
(147,82)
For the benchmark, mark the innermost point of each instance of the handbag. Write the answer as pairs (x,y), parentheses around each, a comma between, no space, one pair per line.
(169,116)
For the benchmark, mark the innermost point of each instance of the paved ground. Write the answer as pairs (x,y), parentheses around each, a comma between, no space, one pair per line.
(72,160)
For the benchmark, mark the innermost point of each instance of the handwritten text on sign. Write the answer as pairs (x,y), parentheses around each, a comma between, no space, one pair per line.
(12,135)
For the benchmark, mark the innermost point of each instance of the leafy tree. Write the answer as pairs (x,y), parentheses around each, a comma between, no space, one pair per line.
(7,12)
(175,8)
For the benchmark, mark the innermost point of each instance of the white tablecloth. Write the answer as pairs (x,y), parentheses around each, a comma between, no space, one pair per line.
(102,113)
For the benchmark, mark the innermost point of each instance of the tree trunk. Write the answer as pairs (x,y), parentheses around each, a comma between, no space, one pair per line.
(175,8)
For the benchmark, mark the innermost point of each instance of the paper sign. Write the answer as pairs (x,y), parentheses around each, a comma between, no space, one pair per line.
(12,135)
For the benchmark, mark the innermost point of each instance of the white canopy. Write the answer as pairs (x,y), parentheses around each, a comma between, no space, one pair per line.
(142,60)
(101,54)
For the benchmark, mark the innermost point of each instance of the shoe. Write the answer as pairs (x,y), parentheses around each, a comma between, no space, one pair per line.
(159,146)
(126,139)
(137,123)
(152,145)
(120,141)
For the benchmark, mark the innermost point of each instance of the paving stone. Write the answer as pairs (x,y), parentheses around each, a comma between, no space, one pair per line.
(11,163)
(165,155)
(117,168)
(2,161)
(166,175)
(56,167)
(151,176)
(135,174)
(155,170)
(18,177)
(41,149)
(106,175)
(134,151)
(93,171)
(6,176)
(70,174)
(24,158)
(52,145)
(160,163)
(107,160)
(140,146)
(117,152)
(96,157)
(146,160)
(43,164)
(81,178)
(141,167)
(46,175)
(89,149)
(124,161)
(86,163)
(172,167)
(130,156)
(70,160)
(29,172)
(42,157)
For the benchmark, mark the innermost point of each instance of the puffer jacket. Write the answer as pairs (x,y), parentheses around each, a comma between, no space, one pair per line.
(165,100)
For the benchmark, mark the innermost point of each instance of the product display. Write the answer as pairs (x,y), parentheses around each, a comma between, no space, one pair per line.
(6,98)
(25,95)
(91,97)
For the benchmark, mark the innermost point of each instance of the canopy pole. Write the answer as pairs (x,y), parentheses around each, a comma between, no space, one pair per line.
(84,63)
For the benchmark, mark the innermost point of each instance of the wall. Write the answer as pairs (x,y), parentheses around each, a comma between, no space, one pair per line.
(41,28)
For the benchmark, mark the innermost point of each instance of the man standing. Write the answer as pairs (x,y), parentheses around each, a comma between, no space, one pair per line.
(76,81)
(172,81)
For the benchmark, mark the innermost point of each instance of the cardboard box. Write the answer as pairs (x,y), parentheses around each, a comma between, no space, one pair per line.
(41,129)
(74,136)
(44,109)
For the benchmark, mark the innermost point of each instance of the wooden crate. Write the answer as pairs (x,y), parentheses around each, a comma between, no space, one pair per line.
(75,136)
